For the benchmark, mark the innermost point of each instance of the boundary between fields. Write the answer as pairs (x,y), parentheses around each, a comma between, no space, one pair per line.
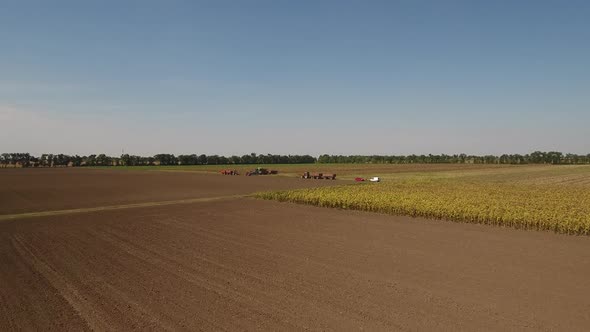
(7,217)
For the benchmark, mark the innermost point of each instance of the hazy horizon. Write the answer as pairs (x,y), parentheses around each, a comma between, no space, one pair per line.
(231,78)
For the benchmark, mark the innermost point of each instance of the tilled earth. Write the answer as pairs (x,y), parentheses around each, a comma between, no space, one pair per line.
(245,264)
(32,190)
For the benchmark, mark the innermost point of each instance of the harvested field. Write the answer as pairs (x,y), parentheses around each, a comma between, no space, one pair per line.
(246,264)
(32,190)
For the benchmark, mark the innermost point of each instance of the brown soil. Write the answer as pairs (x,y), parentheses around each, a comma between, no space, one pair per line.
(245,264)
(29,190)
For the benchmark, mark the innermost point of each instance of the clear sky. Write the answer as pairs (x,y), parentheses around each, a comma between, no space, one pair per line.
(294,77)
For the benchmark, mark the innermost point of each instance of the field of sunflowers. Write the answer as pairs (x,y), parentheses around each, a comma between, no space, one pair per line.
(553,198)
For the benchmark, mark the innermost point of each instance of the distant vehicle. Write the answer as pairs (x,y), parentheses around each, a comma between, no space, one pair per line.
(261,171)
(229,172)
(374,179)
(359,179)
(327,176)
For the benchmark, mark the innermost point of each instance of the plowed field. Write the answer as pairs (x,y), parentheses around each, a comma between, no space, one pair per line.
(214,261)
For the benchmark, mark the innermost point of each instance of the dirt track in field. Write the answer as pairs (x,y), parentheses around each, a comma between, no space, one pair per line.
(245,264)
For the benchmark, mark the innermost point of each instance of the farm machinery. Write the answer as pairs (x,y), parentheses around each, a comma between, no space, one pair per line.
(229,172)
(261,171)
(318,176)
(373,179)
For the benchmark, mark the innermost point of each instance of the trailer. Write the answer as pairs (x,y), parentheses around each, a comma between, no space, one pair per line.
(318,176)
(229,172)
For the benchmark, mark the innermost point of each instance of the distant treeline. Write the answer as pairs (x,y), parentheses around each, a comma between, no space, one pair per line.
(536,157)
(63,160)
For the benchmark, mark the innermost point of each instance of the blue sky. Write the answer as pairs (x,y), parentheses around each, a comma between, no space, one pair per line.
(345,77)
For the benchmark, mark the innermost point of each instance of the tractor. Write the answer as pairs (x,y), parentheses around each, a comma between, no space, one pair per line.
(261,171)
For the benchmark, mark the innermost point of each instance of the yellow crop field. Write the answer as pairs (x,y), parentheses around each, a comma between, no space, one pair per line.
(555,198)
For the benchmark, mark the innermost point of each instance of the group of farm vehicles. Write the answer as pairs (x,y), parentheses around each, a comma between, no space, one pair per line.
(264,171)
(257,171)
(305,175)
(329,176)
